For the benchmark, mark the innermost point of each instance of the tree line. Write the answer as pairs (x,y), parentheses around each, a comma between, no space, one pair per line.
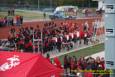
(51,3)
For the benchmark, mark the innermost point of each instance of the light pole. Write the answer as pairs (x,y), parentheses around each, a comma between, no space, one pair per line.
(38,4)
(50,3)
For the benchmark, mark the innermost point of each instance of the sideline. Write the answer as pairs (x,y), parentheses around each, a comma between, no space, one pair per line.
(99,54)
(77,49)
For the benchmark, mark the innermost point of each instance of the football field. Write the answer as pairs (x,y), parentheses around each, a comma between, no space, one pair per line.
(27,15)
(82,52)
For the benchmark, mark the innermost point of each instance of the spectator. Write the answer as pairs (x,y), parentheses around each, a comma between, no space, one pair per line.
(18,20)
(90,64)
(66,63)
(53,36)
(28,46)
(44,14)
(21,20)
(48,57)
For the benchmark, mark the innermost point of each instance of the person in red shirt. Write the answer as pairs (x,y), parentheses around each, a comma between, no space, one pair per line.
(102,63)
(75,37)
(17,20)
(28,46)
(86,38)
(59,44)
(81,36)
(20,44)
(65,63)
(88,74)
(71,65)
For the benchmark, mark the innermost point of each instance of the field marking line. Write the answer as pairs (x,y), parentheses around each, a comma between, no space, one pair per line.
(77,49)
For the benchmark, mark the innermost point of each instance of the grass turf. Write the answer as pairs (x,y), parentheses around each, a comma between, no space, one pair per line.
(27,15)
(85,52)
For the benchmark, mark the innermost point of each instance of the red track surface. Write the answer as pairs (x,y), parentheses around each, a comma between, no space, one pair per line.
(4,31)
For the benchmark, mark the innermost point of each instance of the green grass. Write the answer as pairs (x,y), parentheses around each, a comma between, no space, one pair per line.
(27,15)
(30,15)
(85,52)
(3,14)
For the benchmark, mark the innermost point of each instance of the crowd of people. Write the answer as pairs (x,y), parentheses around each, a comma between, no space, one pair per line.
(86,67)
(81,67)
(51,37)
(11,19)
(56,37)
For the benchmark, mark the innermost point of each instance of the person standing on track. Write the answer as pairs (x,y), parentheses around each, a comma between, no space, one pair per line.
(44,15)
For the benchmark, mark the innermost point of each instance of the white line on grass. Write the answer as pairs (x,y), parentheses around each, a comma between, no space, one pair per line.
(77,49)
